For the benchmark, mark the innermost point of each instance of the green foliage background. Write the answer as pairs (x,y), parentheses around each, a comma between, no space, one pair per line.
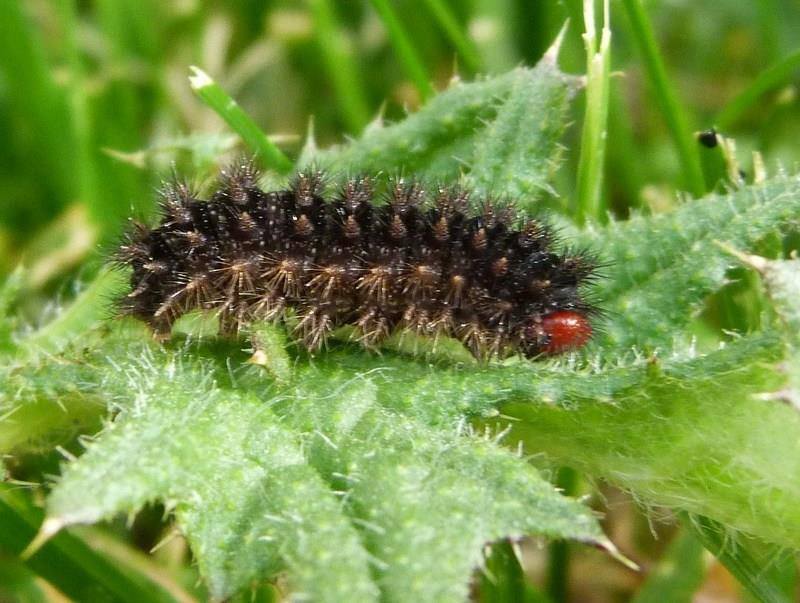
(415,474)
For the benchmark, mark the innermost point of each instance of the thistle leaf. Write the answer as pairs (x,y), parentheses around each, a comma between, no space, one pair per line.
(349,497)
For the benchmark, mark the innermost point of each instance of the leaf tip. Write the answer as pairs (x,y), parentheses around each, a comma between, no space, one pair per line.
(50,527)
(199,79)
(752,261)
(610,548)
(551,54)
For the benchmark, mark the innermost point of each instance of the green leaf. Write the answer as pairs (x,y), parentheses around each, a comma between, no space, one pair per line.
(517,153)
(90,308)
(660,269)
(349,495)
(503,130)
(690,434)
(67,562)
(243,494)
(760,568)
(678,574)
(782,282)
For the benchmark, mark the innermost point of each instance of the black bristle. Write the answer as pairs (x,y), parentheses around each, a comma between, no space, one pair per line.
(433,268)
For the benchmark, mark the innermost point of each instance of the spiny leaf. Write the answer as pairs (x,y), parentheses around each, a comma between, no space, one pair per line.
(254,471)
(517,153)
(69,563)
(782,282)
(91,307)
(504,130)
(691,434)
(661,268)
(249,504)
(48,399)
(428,498)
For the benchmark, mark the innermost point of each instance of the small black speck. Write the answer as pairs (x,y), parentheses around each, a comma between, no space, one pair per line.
(708,138)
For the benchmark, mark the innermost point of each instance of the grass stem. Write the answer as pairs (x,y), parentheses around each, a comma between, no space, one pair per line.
(406,52)
(666,98)
(342,71)
(466,49)
(228,109)
(767,80)
(593,138)
(559,550)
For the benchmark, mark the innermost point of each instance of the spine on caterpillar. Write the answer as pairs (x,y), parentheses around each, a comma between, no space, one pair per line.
(437,263)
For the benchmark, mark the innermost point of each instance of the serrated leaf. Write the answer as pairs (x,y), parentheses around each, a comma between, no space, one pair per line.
(690,434)
(255,473)
(517,154)
(70,564)
(243,494)
(47,400)
(427,498)
(782,282)
(661,268)
(504,131)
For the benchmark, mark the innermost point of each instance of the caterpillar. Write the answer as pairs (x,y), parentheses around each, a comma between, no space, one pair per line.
(422,262)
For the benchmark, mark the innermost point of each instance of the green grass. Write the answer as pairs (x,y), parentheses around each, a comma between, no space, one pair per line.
(384,475)
(268,155)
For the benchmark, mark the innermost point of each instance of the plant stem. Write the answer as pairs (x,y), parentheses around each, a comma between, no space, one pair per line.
(68,563)
(767,80)
(738,559)
(228,109)
(504,579)
(81,120)
(666,97)
(405,49)
(593,138)
(463,44)
(341,69)
(558,558)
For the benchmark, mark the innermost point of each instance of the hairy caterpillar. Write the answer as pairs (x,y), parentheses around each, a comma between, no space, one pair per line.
(419,262)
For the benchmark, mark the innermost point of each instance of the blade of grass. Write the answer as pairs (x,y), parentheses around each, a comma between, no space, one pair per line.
(338,61)
(751,572)
(503,579)
(593,138)
(558,556)
(39,107)
(228,109)
(406,52)
(466,49)
(67,562)
(21,585)
(77,99)
(90,307)
(770,22)
(679,573)
(767,80)
(665,97)
(492,32)
(624,171)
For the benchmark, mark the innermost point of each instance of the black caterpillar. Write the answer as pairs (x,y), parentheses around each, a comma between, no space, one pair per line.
(425,265)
